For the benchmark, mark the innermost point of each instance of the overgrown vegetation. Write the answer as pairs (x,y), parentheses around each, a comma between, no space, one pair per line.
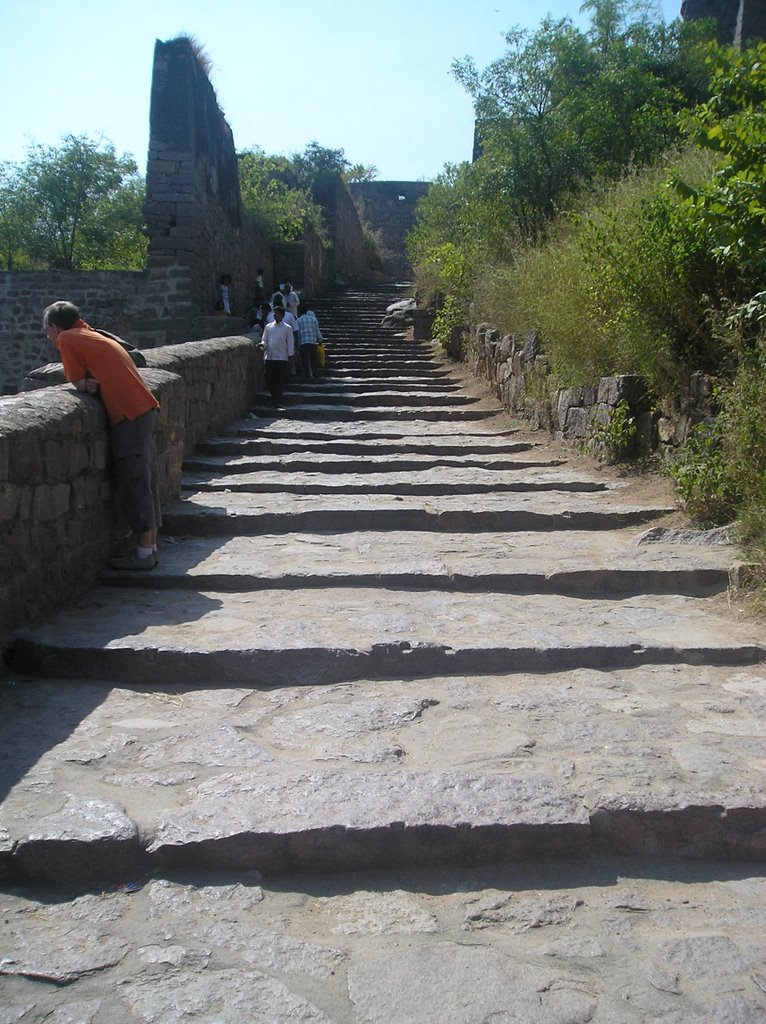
(77,206)
(618,207)
(273,199)
(613,437)
(283,196)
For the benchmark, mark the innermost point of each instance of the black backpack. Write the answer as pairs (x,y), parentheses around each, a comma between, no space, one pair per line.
(138,357)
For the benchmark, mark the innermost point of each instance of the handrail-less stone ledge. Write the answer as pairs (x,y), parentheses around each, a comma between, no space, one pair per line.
(57,520)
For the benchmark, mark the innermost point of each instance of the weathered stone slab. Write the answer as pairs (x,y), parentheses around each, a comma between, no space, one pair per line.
(212,514)
(655,758)
(585,563)
(86,839)
(380,447)
(442,480)
(307,822)
(364,460)
(256,639)
(470,984)
(317,411)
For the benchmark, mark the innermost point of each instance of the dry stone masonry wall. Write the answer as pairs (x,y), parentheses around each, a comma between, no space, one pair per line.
(134,304)
(193,208)
(388,207)
(518,371)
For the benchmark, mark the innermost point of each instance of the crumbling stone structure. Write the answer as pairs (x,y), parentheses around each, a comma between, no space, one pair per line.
(197,231)
(388,210)
(739,21)
(518,372)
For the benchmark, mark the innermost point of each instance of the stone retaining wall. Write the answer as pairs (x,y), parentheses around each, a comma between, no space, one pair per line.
(58,523)
(133,304)
(518,372)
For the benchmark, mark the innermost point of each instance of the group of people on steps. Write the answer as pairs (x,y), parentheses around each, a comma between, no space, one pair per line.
(290,336)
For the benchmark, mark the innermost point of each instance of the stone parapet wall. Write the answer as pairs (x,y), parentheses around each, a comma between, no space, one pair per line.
(58,522)
(518,372)
(221,378)
(137,305)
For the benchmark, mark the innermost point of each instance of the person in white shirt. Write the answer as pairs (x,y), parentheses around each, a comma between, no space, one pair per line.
(292,322)
(277,343)
(292,300)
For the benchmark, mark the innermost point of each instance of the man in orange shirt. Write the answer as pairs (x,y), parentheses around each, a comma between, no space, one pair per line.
(97,364)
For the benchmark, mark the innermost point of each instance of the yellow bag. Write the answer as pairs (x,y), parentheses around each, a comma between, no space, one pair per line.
(321,353)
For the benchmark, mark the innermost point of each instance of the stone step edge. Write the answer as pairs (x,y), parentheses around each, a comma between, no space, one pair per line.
(328,484)
(250,429)
(199,521)
(323,666)
(98,841)
(346,414)
(360,452)
(371,463)
(602,583)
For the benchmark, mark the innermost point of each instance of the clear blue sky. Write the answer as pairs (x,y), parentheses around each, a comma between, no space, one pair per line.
(372,79)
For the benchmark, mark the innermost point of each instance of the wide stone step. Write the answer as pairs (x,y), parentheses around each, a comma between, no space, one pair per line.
(428,482)
(316,410)
(394,385)
(357,355)
(333,373)
(572,563)
(452,431)
(367,450)
(321,397)
(329,463)
(375,344)
(212,514)
(262,639)
(445,770)
(361,369)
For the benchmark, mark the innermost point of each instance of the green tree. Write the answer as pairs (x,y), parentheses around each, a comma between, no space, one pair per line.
(563,109)
(16,213)
(317,166)
(273,198)
(80,204)
(361,172)
(730,211)
(446,229)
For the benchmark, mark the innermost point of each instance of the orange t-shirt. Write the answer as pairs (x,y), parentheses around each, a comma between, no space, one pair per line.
(86,353)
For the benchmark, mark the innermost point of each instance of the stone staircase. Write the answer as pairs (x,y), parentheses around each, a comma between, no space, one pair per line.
(390,628)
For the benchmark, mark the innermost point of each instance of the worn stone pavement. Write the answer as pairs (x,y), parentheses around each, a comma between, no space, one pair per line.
(420,719)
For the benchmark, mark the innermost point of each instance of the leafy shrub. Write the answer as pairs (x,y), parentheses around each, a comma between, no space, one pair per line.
(612,438)
(703,477)
(273,199)
(743,428)
(449,317)
(614,288)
